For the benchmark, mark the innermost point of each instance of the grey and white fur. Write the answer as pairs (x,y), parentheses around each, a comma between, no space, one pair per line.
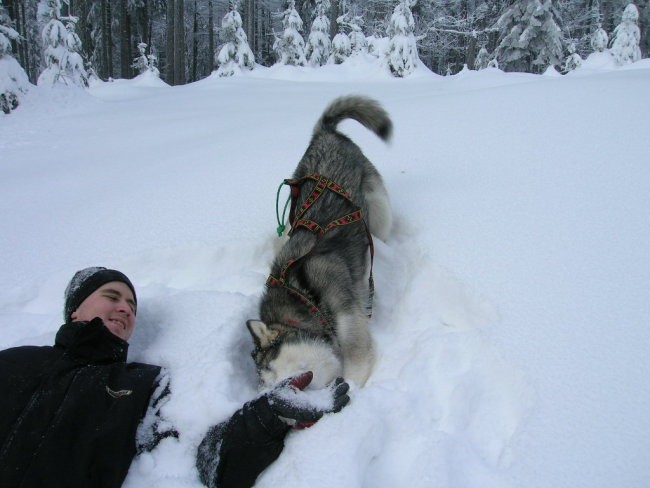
(334,273)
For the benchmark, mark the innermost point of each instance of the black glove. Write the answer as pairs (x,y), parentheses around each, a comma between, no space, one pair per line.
(303,409)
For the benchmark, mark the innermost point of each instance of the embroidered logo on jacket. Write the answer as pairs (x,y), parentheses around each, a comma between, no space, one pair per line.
(118,393)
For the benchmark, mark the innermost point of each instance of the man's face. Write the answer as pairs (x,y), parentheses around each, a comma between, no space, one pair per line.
(114,304)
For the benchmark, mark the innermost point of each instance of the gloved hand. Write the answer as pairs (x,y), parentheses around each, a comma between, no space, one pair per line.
(302,409)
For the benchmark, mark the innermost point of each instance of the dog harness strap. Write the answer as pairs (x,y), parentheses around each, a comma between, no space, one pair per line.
(350,218)
(295,193)
(322,183)
(371,280)
(310,225)
(285,268)
(274,282)
(339,190)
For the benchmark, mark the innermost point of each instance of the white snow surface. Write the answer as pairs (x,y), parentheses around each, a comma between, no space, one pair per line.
(512,299)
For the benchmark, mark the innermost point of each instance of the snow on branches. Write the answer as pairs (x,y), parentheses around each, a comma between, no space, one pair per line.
(625,41)
(64,64)
(290,46)
(235,55)
(402,55)
(319,44)
(13,79)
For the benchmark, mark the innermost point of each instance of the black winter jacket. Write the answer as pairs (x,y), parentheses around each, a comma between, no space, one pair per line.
(69,416)
(69,413)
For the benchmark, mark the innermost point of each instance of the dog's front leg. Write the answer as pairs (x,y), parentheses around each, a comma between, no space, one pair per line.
(357,347)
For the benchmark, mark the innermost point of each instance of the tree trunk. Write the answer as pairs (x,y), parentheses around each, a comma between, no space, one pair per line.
(126,57)
(210,37)
(107,39)
(24,50)
(169,51)
(179,43)
(609,23)
(470,56)
(334,14)
(251,20)
(16,11)
(82,7)
(195,41)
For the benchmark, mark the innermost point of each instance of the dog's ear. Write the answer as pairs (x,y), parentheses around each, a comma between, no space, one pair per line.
(262,334)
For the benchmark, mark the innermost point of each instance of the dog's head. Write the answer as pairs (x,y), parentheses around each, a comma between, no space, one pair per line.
(282,351)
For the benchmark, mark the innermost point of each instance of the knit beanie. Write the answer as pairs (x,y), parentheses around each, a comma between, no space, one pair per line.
(85,282)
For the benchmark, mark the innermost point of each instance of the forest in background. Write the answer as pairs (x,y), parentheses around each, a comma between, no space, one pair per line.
(184,35)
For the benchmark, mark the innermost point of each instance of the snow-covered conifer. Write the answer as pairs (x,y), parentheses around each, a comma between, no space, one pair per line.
(482,59)
(153,62)
(7,32)
(290,46)
(358,40)
(235,55)
(573,60)
(625,40)
(377,46)
(341,44)
(74,63)
(319,44)
(341,48)
(530,39)
(141,62)
(145,62)
(13,79)
(402,50)
(599,40)
(63,63)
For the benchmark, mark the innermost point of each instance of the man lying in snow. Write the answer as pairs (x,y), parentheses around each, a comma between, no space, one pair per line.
(76,413)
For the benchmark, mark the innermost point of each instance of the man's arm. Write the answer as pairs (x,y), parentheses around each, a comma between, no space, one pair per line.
(154,427)
(234,453)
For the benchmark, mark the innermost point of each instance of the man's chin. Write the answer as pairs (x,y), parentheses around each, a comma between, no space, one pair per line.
(117,330)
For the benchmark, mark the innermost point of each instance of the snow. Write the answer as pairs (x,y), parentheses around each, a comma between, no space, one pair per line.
(12,77)
(511,307)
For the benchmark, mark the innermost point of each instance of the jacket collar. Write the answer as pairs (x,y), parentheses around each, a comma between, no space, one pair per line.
(92,342)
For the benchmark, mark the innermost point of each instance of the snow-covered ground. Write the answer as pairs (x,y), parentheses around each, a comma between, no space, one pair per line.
(512,300)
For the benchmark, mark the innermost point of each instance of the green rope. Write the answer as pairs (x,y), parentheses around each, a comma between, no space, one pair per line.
(281,225)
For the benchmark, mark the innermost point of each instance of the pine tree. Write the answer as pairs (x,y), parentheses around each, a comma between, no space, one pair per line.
(341,48)
(358,40)
(145,62)
(573,60)
(482,59)
(290,47)
(625,41)
(64,65)
(236,54)
(402,50)
(530,37)
(341,44)
(13,79)
(141,63)
(74,63)
(319,44)
(599,40)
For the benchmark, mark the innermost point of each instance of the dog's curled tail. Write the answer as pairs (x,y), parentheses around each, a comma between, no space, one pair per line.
(364,110)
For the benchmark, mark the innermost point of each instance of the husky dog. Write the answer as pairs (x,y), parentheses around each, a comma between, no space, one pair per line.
(314,312)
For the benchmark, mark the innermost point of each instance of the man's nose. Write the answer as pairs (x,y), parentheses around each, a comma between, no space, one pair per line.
(124,307)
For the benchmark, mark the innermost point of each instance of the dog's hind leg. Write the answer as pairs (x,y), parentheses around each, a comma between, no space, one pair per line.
(357,347)
(380,217)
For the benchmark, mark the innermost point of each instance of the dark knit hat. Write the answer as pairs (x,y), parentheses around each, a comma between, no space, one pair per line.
(85,282)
